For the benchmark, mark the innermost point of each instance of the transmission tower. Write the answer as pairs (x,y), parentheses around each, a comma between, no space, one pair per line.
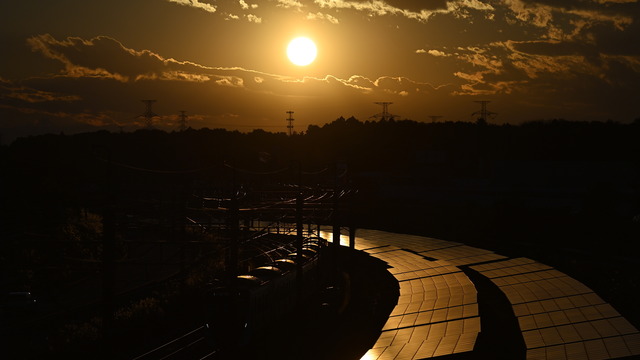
(148,114)
(183,120)
(384,115)
(434,118)
(484,113)
(290,121)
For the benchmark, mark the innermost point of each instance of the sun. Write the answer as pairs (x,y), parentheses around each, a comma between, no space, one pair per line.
(302,51)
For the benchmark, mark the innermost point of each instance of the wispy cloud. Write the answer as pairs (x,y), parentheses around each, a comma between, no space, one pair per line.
(31,95)
(541,65)
(232,81)
(619,21)
(82,58)
(563,60)
(507,67)
(564,20)
(105,57)
(323,17)
(174,76)
(92,119)
(439,53)
(290,4)
(420,11)
(254,19)
(196,4)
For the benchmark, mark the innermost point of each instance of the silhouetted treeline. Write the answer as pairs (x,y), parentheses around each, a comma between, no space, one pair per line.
(45,169)
(48,168)
(363,145)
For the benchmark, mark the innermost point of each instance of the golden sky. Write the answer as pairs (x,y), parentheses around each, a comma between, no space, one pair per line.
(84,65)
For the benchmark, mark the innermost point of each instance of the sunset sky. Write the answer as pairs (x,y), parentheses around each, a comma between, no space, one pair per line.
(70,66)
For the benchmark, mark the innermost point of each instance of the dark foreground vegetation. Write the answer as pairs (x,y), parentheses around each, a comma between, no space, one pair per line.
(564,193)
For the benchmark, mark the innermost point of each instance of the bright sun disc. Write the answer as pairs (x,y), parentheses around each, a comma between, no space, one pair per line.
(302,51)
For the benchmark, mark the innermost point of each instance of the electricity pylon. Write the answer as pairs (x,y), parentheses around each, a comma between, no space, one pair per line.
(148,115)
(484,113)
(183,120)
(384,115)
(290,121)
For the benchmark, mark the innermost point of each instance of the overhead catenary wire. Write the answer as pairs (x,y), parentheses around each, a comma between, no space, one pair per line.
(321,197)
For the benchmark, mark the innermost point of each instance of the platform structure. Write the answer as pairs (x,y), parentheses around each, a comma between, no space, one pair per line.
(437,313)
(560,317)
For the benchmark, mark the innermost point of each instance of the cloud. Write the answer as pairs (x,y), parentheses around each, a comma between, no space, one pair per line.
(483,58)
(545,66)
(535,14)
(421,11)
(563,60)
(569,18)
(9,90)
(254,19)
(105,57)
(101,73)
(476,78)
(401,85)
(322,17)
(115,61)
(229,11)
(619,21)
(383,85)
(374,7)
(290,4)
(50,48)
(485,72)
(437,53)
(36,120)
(232,81)
(196,4)
(174,76)
(136,74)
(417,5)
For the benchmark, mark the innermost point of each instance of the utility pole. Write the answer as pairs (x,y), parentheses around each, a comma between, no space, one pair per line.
(148,115)
(290,121)
(434,118)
